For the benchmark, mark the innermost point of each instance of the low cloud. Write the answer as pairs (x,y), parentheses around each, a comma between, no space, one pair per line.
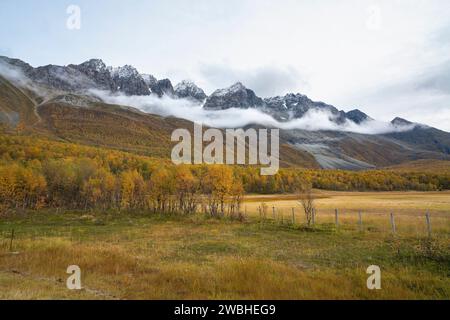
(313,120)
(16,76)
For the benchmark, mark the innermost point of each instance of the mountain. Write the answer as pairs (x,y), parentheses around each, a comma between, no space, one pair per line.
(86,120)
(288,107)
(293,106)
(55,101)
(357,116)
(163,87)
(127,79)
(93,74)
(236,96)
(96,70)
(16,108)
(424,137)
(188,89)
(401,122)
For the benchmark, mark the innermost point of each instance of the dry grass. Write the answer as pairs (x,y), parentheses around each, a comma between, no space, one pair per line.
(136,256)
(409,209)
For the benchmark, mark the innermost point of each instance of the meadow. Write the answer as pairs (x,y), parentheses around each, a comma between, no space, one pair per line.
(141,255)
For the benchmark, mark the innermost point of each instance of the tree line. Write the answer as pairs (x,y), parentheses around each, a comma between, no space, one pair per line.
(83,184)
(37,173)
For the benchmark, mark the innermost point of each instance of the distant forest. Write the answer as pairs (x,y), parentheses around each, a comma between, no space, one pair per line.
(42,173)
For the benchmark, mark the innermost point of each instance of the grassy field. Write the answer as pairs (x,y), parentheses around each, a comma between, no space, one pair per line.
(409,209)
(141,256)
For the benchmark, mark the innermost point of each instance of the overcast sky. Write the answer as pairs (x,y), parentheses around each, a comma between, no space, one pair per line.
(388,58)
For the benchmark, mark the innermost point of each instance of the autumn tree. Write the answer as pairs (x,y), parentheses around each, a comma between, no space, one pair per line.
(236,198)
(186,189)
(133,190)
(306,200)
(217,185)
(162,189)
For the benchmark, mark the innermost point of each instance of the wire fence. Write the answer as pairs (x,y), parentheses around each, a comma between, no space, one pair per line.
(385,222)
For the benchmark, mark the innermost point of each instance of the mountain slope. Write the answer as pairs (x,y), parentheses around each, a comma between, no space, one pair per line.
(130,130)
(110,126)
(88,121)
(16,108)
(56,101)
(426,138)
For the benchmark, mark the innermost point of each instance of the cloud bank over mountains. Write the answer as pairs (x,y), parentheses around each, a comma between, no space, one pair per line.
(312,116)
(313,120)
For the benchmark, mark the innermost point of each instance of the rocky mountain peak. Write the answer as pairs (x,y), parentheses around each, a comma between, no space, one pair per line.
(16,63)
(237,87)
(127,71)
(129,81)
(149,79)
(188,89)
(292,106)
(235,96)
(162,87)
(96,71)
(94,65)
(401,122)
(357,116)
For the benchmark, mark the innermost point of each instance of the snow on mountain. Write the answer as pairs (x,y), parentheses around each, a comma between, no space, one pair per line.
(188,89)
(235,96)
(235,88)
(126,71)
(149,79)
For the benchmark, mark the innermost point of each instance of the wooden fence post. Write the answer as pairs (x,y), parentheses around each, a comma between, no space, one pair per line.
(293,216)
(393,223)
(427,216)
(273,213)
(314,217)
(336,217)
(360,221)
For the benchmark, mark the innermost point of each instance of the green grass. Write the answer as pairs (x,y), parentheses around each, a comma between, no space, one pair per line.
(139,256)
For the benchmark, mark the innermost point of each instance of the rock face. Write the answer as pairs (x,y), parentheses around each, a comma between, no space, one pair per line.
(401,122)
(288,107)
(128,80)
(293,106)
(62,78)
(163,87)
(24,67)
(357,116)
(96,70)
(236,96)
(149,79)
(189,90)
(92,74)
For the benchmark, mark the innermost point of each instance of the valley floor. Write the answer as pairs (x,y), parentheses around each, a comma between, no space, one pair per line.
(143,256)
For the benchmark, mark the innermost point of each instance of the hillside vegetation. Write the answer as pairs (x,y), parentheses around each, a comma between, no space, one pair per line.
(38,172)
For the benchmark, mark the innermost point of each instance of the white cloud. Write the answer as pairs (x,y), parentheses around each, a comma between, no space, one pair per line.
(236,118)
